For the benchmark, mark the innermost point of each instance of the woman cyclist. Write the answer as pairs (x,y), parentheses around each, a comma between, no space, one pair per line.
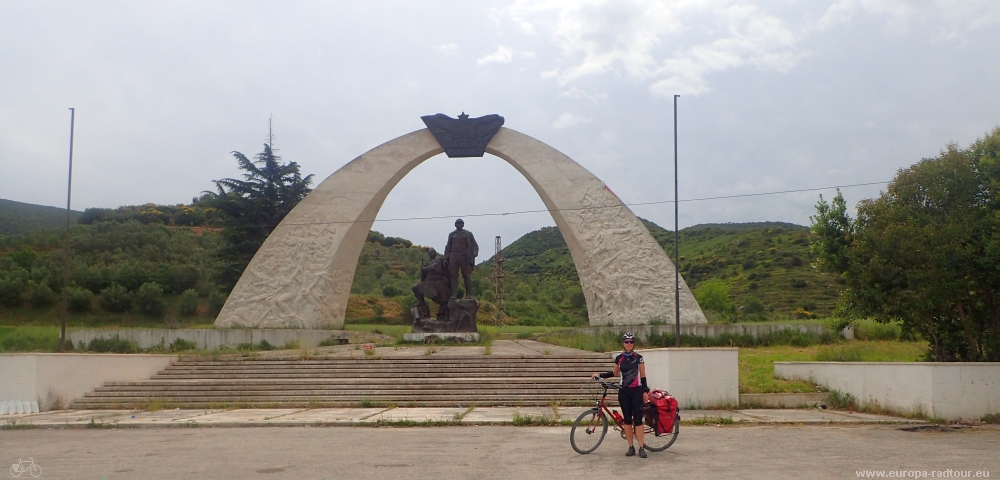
(630,366)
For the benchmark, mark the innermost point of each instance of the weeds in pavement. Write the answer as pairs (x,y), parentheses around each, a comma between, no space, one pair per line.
(720,420)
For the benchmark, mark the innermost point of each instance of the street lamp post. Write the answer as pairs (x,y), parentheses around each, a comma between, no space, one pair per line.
(677,258)
(69,213)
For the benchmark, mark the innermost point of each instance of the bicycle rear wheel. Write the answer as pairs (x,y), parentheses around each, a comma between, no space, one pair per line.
(659,443)
(588,431)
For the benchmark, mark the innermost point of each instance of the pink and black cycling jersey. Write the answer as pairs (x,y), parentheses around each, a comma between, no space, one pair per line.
(629,366)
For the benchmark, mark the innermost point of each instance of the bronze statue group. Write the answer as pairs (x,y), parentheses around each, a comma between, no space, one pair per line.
(439,275)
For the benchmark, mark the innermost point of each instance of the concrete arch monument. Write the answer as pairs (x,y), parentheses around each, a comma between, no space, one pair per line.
(301,277)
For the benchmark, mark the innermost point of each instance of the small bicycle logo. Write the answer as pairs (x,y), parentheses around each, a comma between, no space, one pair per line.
(16,469)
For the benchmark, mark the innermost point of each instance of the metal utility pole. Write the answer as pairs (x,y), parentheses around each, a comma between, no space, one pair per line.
(498,286)
(677,257)
(69,214)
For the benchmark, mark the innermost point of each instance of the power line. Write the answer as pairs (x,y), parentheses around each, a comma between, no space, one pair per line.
(522,212)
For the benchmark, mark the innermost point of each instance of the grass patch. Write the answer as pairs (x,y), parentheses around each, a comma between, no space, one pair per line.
(369,403)
(30,339)
(871,351)
(992,418)
(711,421)
(538,420)
(382,422)
(608,341)
(15,425)
(757,364)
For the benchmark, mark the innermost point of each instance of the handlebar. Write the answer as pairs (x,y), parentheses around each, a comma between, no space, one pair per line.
(606,384)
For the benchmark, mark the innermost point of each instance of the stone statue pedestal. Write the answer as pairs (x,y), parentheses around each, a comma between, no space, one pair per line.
(460,337)
(460,324)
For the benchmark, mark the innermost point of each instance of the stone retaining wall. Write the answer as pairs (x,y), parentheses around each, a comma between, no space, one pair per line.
(212,338)
(946,390)
(706,330)
(55,379)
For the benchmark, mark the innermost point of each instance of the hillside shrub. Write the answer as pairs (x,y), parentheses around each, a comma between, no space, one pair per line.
(389,291)
(216,300)
(407,303)
(577,299)
(149,299)
(752,305)
(11,292)
(178,278)
(188,305)
(713,295)
(115,298)
(131,276)
(40,295)
(80,299)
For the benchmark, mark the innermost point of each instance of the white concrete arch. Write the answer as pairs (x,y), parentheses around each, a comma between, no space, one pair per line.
(301,277)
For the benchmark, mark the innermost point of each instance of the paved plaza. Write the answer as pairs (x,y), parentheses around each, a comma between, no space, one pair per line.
(496,452)
(308,417)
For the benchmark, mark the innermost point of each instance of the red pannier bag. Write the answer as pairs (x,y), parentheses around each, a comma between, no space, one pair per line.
(661,411)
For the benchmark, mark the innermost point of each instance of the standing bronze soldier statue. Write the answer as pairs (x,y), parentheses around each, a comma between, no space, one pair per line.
(433,285)
(461,253)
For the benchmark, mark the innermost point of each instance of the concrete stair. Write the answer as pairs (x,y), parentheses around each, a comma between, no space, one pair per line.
(349,382)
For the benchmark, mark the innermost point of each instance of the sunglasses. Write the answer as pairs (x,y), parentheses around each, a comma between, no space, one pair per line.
(629,341)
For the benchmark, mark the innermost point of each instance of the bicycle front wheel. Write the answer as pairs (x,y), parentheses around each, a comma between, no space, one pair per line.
(659,443)
(588,431)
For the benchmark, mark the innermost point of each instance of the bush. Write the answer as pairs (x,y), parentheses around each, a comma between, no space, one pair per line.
(80,299)
(115,298)
(180,345)
(40,295)
(752,304)
(577,299)
(189,303)
(216,300)
(872,330)
(407,303)
(263,345)
(149,299)
(113,345)
(389,291)
(178,278)
(11,292)
(713,295)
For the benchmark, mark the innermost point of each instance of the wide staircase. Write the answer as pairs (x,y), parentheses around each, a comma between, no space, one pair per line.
(350,382)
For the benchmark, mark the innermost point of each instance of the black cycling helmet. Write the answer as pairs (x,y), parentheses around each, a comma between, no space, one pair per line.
(628,336)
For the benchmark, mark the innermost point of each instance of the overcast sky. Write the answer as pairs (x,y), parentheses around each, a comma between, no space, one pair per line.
(775,96)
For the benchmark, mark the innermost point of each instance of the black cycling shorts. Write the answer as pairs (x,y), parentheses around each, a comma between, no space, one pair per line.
(630,399)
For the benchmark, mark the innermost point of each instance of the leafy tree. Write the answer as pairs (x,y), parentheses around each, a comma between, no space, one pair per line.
(927,252)
(40,295)
(115,298)
(149,299)
(80,299)
(11,292)
(189,303)
(254,206)
(713,295)
(832,227)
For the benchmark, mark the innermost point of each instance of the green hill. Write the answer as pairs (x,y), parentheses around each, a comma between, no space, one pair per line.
(17,218)
(763,267)
(769,262)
